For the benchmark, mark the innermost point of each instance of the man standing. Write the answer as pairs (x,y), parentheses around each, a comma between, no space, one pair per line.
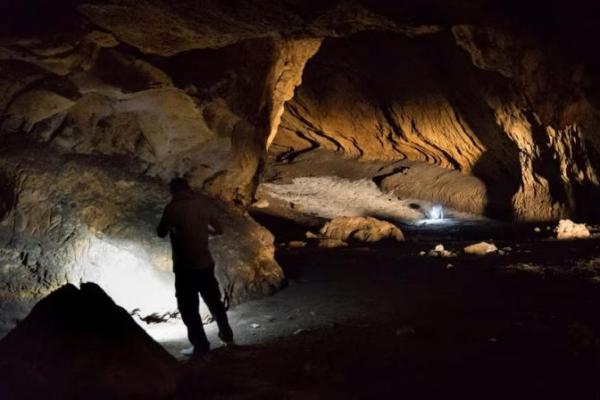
(187,218)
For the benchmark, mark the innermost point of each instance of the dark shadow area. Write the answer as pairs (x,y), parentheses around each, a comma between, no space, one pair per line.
(282,228)
(416,329)
(7,194)
(77,343)
(547,164)
(465,87)
(587,195)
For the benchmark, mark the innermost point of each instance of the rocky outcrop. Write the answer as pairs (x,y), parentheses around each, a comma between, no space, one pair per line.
(282,70)
(485,113)
(78,343)
(81,218)
(487,118)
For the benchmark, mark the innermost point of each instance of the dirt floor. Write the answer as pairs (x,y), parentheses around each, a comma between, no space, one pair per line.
(386,322)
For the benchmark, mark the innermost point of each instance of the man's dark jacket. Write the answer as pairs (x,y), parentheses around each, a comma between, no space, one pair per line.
(187,218)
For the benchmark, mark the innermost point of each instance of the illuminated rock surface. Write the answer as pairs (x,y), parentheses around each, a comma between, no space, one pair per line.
(72,218)
(361,229)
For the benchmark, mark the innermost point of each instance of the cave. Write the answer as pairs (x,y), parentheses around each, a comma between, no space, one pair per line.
(408,193)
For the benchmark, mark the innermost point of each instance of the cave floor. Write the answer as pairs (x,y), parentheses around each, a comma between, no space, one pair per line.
(385,322)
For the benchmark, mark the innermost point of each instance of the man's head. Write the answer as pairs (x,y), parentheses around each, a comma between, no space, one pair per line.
(178,185)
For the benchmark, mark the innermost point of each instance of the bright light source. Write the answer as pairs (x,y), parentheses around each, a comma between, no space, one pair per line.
(435,216)
(436,212)
(126,273)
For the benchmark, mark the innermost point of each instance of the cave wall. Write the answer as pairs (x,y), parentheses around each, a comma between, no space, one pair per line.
(102,102)
(457,101)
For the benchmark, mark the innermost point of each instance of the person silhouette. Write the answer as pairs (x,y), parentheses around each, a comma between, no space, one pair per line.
(186,219)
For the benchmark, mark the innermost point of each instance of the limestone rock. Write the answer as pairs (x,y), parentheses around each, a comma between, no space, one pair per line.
(440,251)
(360,229)
(504,109)
(68,219)
(481,249)
(567,229)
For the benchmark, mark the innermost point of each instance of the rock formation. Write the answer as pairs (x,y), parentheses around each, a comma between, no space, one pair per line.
(470,111)
(73,218)
(76,343)
(102,102)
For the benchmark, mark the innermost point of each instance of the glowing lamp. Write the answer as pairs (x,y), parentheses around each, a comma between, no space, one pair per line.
(436,212)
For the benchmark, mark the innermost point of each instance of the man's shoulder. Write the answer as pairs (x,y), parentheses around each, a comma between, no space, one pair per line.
(197,201)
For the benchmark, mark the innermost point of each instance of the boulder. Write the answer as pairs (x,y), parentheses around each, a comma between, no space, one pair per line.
(361,229)
(567,229)
(77,343)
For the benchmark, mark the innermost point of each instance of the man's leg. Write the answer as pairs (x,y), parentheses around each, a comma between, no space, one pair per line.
(186,290)
(209,289)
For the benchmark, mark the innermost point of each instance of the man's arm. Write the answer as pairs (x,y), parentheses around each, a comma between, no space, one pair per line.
(165,225)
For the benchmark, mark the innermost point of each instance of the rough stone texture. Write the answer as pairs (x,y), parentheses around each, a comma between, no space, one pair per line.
(360,229)
(80,344)
(73,218)
(237,181)
(472,98)
(212,25)
(567,229)
(501,126)
(480,249)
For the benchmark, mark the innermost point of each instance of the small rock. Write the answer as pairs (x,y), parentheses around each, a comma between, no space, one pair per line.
(501,252)
(262,203)
(493,340)
(449,266)
(481,249)
(537,230)
(255,326)
(440,251)
(296,244)
(310,235)
(507,249)
(422,253)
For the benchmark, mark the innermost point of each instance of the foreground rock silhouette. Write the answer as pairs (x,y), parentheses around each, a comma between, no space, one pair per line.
(77,343)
